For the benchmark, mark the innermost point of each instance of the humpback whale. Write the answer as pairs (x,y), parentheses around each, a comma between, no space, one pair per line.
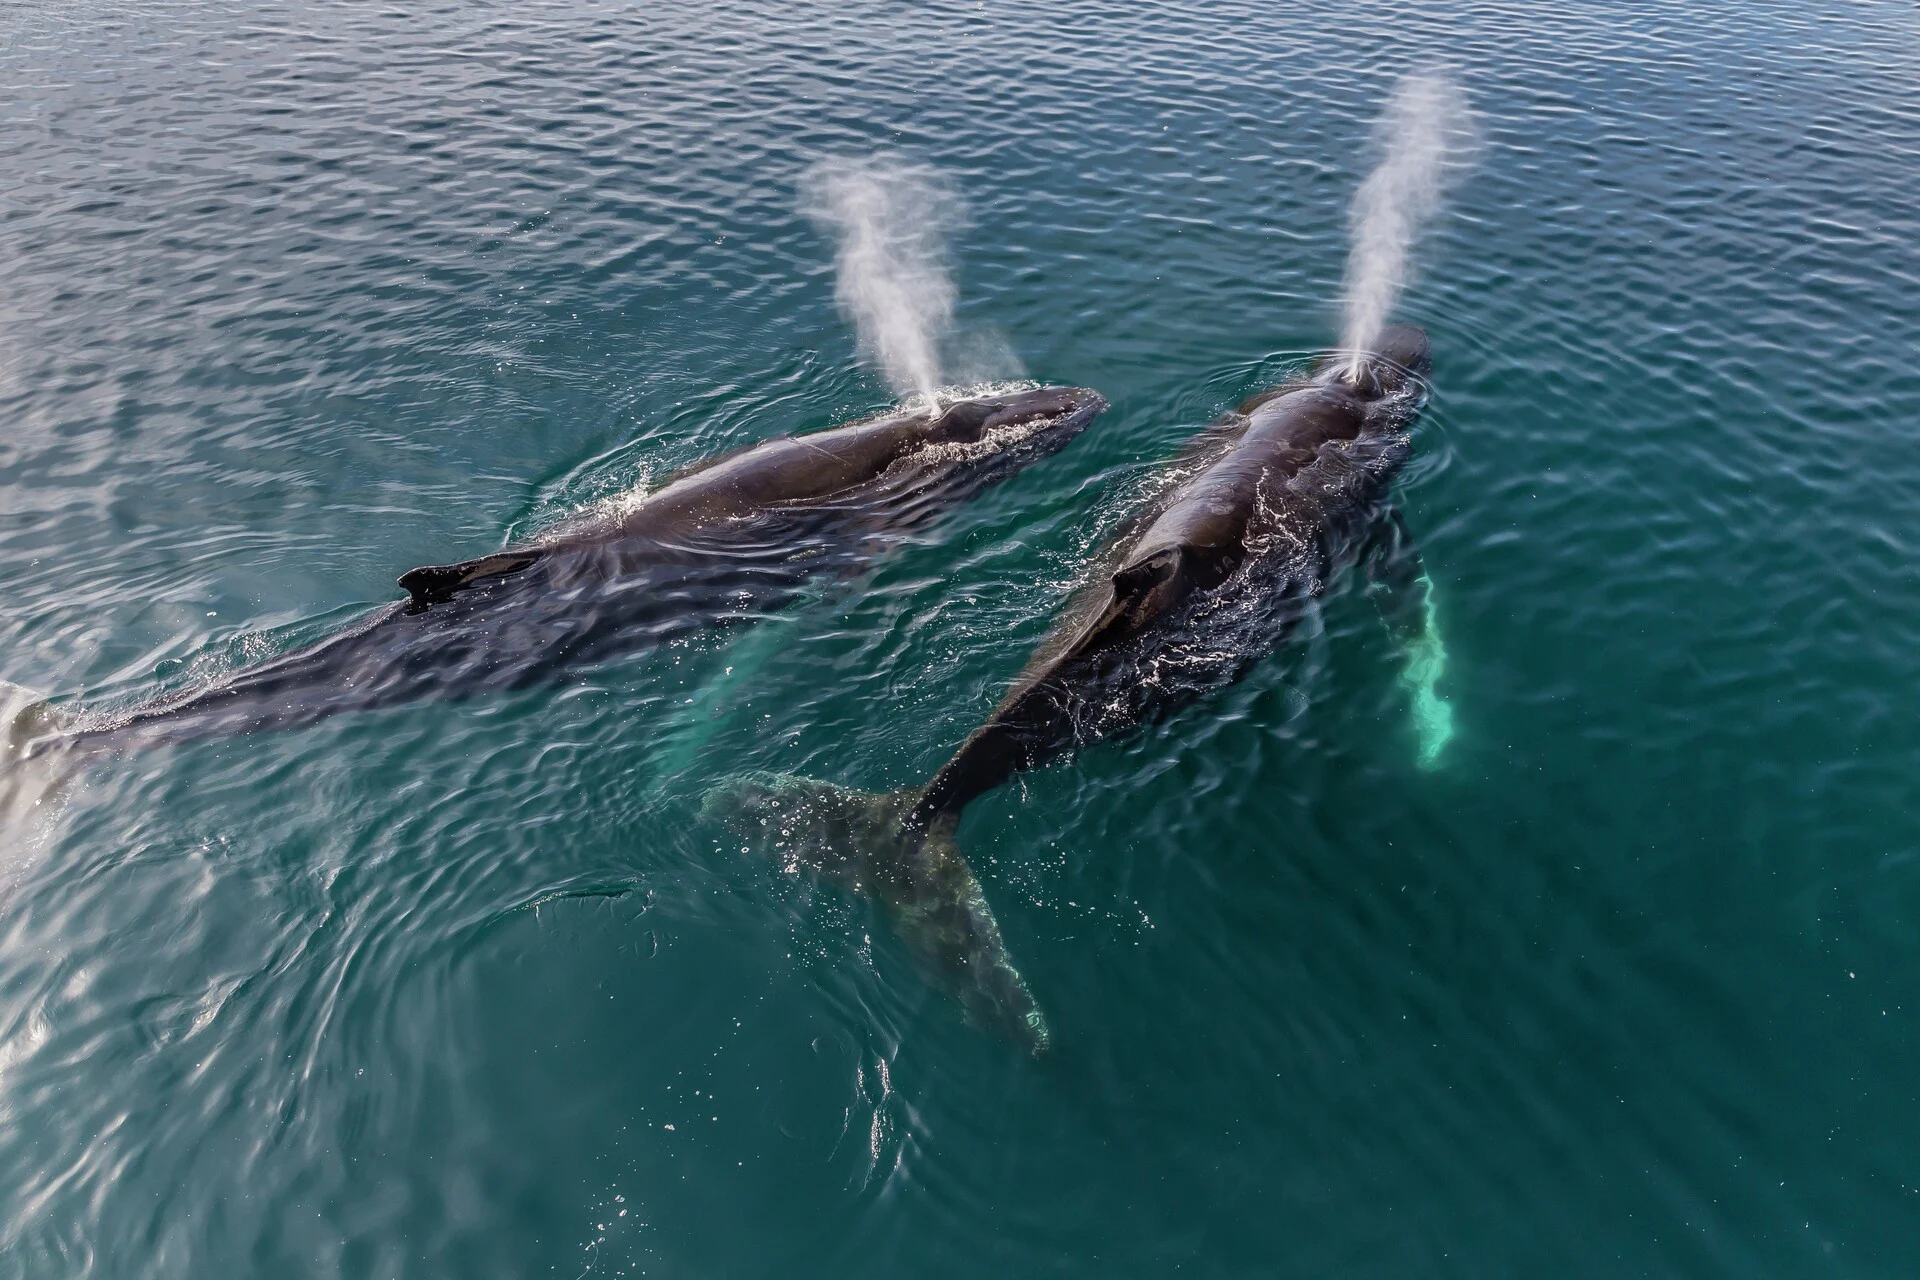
(727,538)
(1204,580)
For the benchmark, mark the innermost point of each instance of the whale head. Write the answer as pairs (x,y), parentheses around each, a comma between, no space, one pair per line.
(983,439)
(1049,415)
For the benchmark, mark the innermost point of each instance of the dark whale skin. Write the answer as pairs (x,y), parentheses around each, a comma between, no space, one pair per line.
(1202,582)
(721,542)
(1288,487)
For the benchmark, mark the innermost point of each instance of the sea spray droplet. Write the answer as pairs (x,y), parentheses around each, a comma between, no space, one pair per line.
(893,219)
(1427,135)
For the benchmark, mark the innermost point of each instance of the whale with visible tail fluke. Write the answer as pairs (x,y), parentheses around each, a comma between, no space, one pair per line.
(1205,580)
(720,542)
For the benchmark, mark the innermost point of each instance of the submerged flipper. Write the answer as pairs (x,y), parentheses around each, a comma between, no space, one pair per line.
(435,584)
(683,733)
(864,842)
(1405,596)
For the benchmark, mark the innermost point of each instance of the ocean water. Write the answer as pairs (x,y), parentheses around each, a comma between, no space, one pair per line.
(293,298)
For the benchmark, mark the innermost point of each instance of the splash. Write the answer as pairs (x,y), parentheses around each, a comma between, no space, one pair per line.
(1426,132)
(893,219)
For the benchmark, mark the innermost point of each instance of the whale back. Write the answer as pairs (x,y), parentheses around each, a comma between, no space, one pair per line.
(1120,652)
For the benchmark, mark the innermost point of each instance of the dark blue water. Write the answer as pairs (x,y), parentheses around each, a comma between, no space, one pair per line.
(293,299)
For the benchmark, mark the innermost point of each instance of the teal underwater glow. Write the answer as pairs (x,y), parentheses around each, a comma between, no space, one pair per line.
(1426,666)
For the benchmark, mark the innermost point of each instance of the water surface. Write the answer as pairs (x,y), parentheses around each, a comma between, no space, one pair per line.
(293,299)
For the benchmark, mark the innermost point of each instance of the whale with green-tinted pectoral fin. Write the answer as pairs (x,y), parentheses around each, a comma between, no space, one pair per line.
(1400,586)
(1213,572)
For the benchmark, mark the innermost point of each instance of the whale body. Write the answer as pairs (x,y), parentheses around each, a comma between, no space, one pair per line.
(1203,581)
(722,541)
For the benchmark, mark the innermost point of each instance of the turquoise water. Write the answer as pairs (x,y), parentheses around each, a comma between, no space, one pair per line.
(293,299)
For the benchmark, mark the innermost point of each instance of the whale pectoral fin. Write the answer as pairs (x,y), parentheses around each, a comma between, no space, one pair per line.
(434,584)
(1404,593)
(25,716)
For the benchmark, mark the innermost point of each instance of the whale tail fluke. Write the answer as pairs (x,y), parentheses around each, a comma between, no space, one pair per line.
(24,716)
(867,842)
(32,775)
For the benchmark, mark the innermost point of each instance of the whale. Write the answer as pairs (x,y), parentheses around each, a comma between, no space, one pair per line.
(1266,505)
(722,542)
